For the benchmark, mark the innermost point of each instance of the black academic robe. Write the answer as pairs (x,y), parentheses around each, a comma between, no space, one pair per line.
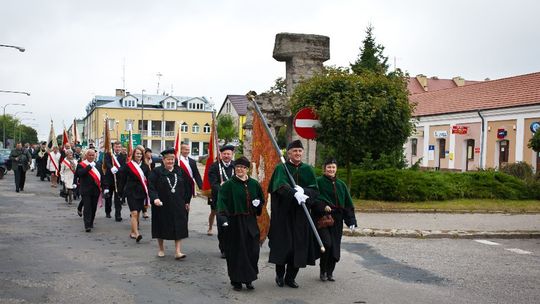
(215,176)
(169,221)
(291,239)
(109,176)
(334,193)
(242,237)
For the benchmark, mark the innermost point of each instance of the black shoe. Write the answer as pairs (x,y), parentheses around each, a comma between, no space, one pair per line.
(322,276)
(250,286)
(17,190)
(330,277)
(118,219)
(223,256)
(88,229)
(108,215)
(139,238)
(291,284)
(280,282)
(237,286)
(79,212)
(22,189)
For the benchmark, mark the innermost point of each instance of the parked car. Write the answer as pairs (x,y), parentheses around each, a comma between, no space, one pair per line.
(4,158)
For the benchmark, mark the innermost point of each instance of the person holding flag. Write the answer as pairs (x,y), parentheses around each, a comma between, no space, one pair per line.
(113,161)
(190,167)
(67,174)
(53,165)
(92,184)
(134,184)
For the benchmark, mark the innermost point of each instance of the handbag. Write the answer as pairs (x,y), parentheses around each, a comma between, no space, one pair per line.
(325,221)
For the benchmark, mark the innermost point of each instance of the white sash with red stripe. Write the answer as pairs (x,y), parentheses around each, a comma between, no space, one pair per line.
(115,161)
(188,173)
(54,163)
(96,176)
(136,169)
(66,162)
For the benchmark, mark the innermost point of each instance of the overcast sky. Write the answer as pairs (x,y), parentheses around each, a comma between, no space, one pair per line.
(77,49)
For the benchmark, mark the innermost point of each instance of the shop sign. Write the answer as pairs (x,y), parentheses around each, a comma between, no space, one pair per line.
(440,134)
(461,130)
(501,133)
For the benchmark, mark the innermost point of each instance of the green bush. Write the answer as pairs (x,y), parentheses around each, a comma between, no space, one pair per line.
(521,170)
(413,185)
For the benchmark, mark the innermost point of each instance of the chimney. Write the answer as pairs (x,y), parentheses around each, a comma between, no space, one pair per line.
(422,79)
(459,81)
(120,92)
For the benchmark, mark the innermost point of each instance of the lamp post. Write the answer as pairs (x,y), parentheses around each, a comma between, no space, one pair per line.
(20,131)
(21,49)
(15,92)
(15,122)
(4,119)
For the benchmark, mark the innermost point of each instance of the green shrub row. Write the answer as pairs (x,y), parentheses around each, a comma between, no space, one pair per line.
(412,185)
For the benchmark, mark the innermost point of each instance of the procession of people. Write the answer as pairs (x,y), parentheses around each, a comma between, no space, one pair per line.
(236,199)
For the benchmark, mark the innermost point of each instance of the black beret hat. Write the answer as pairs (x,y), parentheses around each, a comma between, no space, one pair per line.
(167,151)
(295,144)
(227,147)
(329,161)
(243,161)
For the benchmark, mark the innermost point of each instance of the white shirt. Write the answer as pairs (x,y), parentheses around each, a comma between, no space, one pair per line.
(185,160)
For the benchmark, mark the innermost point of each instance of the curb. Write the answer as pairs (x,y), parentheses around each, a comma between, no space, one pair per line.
(442,234)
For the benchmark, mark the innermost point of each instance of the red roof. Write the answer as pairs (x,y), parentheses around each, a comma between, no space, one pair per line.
(433,84)
(514,91)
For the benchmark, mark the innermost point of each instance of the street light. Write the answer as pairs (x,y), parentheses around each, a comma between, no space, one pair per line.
(15,92)
(21,49)
(4,119)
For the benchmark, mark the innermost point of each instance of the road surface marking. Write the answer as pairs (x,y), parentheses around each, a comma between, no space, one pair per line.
(519,251)
(485,242)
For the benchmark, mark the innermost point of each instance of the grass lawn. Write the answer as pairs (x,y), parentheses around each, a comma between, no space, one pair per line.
(462,205)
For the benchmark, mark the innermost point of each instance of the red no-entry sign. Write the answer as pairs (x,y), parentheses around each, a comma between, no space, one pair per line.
(305,122)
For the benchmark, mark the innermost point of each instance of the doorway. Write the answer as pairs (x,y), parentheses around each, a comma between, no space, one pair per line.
(504,148)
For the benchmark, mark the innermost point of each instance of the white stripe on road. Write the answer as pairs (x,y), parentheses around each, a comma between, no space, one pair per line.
(307,123)
(519,251)
(486,242)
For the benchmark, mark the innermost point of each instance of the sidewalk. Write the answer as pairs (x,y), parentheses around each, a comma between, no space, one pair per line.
(445,225)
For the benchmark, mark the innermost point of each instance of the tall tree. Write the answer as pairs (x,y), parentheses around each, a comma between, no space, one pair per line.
(366,115)
(371,56)
(226,128)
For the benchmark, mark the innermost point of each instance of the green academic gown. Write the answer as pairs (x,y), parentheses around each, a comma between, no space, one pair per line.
(235,201)
(291,239)
(334,193)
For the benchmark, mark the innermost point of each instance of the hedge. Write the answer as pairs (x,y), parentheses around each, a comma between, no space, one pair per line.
(412,185)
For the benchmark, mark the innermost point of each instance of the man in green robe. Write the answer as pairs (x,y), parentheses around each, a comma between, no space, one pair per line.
(241,200)
(291,240)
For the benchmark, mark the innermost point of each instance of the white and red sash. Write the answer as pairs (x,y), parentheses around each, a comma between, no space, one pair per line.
(66,162)
(96,176)
(189,173)
(136,169)
(54,163)
(115,162)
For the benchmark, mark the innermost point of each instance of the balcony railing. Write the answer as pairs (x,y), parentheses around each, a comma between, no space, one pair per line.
(156,133)
(169,134)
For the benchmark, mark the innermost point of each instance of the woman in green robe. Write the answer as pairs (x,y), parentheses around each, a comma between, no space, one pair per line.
(334,199)
(241,200)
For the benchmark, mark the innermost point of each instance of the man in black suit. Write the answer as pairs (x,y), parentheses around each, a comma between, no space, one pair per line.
(110,176)
(219,173)
(191,165)
(91,182)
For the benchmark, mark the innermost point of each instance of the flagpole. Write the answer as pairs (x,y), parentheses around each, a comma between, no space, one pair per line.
(216,146)
(291,179)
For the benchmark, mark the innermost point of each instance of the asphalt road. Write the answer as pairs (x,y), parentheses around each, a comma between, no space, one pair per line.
(46,257)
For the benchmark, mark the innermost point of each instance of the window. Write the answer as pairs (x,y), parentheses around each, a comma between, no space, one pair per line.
(128,124)
(195,106)
(195,148)
(195,128)
(129,103)
(228,107)
(184,127)
(414,144)
(110,123)
(470,149)
(205,148)
(170,105)
(206,128)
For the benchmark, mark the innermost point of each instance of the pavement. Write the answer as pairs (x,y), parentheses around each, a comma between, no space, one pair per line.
(447,225)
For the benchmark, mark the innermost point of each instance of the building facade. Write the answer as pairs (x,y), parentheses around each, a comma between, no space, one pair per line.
(153,119)
(481,125)
(236,107)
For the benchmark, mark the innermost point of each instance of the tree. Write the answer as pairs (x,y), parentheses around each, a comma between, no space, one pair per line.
(371,56)
(366,115)
(16,131)
(534,142)
(279,87)
(226,128)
